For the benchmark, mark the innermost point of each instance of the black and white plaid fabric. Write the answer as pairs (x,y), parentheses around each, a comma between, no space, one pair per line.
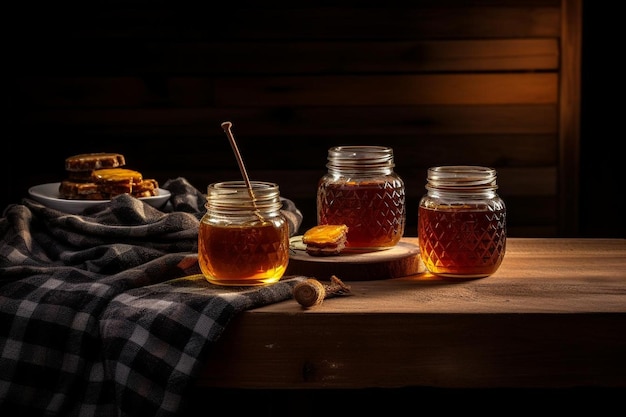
(105,313)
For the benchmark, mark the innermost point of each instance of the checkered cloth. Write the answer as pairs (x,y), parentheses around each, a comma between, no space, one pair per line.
(106,313)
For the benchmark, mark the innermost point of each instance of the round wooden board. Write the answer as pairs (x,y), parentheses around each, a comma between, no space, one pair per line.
(399,261)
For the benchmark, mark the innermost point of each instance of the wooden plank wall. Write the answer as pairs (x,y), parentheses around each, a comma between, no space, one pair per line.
(442,82)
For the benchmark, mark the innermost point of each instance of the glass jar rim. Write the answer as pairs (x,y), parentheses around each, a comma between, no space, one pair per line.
(360,155)
(237,185)
(235,194)
(461,176)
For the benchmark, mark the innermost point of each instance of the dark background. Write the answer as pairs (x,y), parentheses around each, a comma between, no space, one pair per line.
(602,202)
(602,139)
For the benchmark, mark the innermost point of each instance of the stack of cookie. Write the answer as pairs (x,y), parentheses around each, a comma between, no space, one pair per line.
(101,176)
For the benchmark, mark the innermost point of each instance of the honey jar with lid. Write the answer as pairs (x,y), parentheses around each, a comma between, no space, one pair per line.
(362,191)
(243,239)
(462,222)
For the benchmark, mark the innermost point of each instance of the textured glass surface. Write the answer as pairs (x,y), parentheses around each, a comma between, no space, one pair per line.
(457,242)
(374,211)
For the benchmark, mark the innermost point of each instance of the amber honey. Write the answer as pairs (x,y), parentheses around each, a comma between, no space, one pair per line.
(362,191)
(243,255)
(462,222)
(461,243)
(373,211)
(243,238)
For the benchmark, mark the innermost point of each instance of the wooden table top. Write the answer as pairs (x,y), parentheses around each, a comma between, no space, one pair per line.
(553,315)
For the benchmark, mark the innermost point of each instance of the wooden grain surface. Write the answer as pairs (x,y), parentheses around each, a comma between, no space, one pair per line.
(537,276)
(553,315)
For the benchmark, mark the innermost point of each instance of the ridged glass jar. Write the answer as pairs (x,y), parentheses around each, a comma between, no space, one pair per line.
(362,191)
(462,222)
(243,240)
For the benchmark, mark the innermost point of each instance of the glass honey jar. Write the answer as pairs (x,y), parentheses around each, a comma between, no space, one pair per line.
(362,191)
(462,222)
(243,237)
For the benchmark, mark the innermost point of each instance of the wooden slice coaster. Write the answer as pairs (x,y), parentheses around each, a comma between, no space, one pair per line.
(399,261)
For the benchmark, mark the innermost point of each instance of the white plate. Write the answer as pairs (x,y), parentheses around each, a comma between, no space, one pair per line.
(48,195)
